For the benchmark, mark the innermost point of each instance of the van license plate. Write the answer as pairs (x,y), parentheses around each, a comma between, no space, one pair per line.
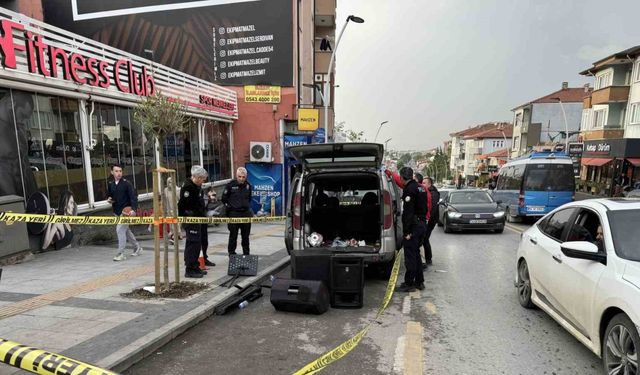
(477,221)
(536,208)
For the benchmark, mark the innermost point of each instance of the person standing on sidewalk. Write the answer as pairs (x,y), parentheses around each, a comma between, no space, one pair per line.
(191,204)
(237,198)
(432,219)
(414,213)
(121,195)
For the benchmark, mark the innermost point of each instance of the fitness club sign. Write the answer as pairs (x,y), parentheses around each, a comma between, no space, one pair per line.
(73,66)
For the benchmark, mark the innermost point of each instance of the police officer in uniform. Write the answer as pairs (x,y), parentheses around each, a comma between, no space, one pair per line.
(414,213)
(237,198)
(191,204)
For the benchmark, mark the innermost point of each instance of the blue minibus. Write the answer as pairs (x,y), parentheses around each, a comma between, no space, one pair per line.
(535,184)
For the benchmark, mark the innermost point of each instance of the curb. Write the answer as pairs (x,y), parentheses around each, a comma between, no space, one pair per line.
(149,343)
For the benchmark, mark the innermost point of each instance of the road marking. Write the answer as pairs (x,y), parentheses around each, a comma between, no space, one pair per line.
(415,295)
(406,305)
(413,349)
(398,361)
(88,286)
(431,308)
(514,228)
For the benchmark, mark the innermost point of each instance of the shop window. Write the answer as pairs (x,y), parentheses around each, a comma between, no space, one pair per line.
(143,155)
(16,110)
(216,153)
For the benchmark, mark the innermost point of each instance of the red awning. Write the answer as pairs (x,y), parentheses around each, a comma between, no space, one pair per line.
(596,162)
(634,161)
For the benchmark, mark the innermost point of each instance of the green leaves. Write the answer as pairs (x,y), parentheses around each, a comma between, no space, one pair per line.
(161,115)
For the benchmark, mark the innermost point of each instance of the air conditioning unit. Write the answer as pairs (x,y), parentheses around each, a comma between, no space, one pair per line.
(320,78)
(260,152)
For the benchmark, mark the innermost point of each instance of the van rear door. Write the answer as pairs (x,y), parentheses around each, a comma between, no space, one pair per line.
(547,186)
(338,155)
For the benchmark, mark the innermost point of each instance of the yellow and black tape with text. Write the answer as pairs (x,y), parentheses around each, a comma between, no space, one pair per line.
(42,362)
(12,217)
(347,346)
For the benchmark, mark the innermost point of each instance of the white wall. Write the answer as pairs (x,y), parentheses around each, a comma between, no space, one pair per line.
(633,130)
(488,147)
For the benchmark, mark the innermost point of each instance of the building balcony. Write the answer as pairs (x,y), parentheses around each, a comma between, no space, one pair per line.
(322,59)
(597,134)
(586,103)
(611,94)
(325,13)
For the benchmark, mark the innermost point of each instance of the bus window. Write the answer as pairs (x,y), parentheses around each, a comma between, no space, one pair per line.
(549,177)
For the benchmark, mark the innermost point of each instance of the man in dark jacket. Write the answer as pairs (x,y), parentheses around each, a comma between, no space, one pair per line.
(414,212)
(432,220)
(237,198)
(121,194)
(191,204)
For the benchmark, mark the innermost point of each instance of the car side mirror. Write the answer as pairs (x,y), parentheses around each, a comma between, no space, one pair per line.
(583,250)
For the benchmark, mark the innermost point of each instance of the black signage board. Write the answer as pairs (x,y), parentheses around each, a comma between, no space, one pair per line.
(241,42)
(575,152)
(612,148)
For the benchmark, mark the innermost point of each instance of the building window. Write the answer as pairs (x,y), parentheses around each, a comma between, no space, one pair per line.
(216,150)
(634,113)
(637,71)
(599,118)
(604,80)
(584,125)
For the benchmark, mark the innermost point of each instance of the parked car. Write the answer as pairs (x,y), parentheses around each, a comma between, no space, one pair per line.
(581,265)
(534,185)
(342,192)
(634,193)
(470,209)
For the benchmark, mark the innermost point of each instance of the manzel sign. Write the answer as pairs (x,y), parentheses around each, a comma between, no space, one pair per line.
(50,61)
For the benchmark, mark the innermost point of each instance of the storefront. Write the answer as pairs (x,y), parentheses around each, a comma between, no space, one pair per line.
(603,162)
(67,114)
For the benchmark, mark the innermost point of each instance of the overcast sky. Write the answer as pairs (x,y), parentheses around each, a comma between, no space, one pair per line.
(431,67)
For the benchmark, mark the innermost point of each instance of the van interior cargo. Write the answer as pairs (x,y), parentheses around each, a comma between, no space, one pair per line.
(345,209)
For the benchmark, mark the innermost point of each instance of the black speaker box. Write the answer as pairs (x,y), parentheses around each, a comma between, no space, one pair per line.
(303,296)
(311,264)
(347,281)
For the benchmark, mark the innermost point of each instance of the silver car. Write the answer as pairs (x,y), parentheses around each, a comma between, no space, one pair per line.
(341,200)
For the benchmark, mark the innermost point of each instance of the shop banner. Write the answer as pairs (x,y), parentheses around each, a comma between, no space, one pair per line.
(262,94)
(318,137)
(293,140)
(266,183)
(308,119)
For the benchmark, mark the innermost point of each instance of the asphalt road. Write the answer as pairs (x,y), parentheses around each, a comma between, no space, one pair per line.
(467,321)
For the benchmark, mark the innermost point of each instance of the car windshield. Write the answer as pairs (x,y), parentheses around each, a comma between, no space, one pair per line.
(626,237)
(470,197)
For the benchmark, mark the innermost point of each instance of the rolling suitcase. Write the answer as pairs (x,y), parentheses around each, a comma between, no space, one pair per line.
(303,296)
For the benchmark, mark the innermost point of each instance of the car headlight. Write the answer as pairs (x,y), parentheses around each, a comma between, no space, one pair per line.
(454,215)
(498,214)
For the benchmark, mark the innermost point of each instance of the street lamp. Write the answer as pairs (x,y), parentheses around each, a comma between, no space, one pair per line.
(385,143)
(317,88)
(566,125)
(501,128)
(327,93)
(379,127)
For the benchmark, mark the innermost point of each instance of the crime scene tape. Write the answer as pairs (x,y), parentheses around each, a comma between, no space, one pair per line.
(347,346)
(11,217)
(41,362)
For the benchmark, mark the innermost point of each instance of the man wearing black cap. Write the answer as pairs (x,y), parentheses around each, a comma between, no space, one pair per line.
(414,213)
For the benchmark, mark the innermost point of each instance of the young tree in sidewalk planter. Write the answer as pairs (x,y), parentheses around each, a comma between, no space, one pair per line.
(161,116)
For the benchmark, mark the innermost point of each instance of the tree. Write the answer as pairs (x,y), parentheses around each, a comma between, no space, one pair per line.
(160,116)
(352,135)
(404,160)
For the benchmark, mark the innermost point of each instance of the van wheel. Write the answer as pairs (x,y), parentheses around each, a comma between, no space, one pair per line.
(510,219)
(439,223)
(446,226)
(385,269)
(620,346)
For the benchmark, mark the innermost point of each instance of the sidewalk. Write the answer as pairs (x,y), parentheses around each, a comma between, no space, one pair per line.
(69,301)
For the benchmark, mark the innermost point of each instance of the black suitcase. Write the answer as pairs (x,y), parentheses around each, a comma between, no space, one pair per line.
(303,296)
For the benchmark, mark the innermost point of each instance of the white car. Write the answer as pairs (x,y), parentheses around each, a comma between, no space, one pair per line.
(581,264)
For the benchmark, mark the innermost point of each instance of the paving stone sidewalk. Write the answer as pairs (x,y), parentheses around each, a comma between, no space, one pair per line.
(69,301)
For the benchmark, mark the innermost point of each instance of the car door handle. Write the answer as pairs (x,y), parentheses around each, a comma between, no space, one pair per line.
(557,258)
(533,240)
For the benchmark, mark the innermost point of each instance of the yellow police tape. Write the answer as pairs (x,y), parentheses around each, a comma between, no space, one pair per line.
(347,346)
(11,217)
(42,362)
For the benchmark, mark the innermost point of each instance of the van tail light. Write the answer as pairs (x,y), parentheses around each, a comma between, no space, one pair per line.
(388,211)
(296,212)
(521,199)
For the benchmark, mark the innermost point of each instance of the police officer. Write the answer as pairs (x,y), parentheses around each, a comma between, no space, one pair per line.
(237,198)
(432,219)
(414,213)
(191,204)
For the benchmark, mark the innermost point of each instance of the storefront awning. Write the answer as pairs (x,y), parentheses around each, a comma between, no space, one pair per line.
(634,161)
(596,162)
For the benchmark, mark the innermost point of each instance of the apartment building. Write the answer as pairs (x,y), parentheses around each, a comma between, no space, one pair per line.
(540,122)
